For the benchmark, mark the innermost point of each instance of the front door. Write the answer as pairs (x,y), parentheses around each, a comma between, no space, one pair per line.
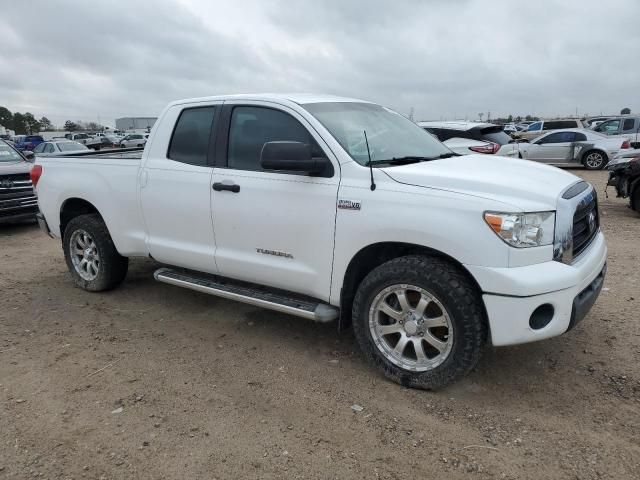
(272,228)
(175,189)
(552,148)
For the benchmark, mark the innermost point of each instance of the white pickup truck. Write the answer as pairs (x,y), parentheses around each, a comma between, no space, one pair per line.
(331,208)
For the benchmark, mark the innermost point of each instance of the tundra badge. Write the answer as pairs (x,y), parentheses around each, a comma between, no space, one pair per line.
(349,204)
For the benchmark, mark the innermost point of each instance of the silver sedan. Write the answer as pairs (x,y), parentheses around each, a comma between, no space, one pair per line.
(58,147)
(574,146)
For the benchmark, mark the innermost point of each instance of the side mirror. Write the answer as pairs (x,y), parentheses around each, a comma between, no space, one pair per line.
(29,155)
(291,156)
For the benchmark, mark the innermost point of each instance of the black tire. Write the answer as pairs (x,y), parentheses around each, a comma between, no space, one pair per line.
(635,199)
(453,289)
(112,268)
(590,165)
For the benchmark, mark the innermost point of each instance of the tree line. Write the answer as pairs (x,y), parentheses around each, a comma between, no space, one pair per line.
(27,124)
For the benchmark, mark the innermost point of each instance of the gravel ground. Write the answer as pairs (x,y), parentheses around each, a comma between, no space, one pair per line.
(153,381)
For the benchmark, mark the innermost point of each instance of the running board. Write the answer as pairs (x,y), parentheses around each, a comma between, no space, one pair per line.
(309,309)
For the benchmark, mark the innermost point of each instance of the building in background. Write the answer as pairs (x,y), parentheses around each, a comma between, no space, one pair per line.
(135,124)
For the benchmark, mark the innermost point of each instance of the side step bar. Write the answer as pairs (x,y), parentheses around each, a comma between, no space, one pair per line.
(309,309)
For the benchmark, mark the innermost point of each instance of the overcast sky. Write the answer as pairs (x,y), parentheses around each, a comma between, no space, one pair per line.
(90,61)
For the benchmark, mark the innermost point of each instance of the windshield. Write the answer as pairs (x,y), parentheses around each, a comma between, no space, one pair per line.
(71,146)
(390,135)
(8,154)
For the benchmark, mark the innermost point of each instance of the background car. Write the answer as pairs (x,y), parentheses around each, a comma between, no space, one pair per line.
(473,137)
(594,121)
(17,198)
(538,128)
(574,147)
(133,140)
(628,126)
(47,149)
(78,137)
(98,143)
(29,142)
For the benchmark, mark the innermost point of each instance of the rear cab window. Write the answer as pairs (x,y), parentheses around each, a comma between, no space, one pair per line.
(191,135)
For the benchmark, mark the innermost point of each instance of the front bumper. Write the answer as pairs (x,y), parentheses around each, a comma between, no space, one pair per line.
(511,295)
(17,214)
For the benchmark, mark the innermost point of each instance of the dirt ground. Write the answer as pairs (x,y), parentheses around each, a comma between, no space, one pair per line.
(153,381)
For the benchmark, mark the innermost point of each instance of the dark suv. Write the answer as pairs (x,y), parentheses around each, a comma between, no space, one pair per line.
(17,198)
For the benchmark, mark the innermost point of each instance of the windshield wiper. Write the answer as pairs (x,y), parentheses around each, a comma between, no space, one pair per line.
(410,159)
(400,160)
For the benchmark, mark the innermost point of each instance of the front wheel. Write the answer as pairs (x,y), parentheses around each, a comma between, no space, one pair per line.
(420,320)
(595,160)
(91,256)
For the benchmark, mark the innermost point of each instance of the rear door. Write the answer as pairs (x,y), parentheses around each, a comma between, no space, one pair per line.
(175,188)
(272,228)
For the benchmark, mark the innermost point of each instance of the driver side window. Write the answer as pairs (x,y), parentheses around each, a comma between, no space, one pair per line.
(252,127)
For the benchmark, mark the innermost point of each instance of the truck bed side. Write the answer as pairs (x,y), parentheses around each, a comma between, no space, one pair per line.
(106,182)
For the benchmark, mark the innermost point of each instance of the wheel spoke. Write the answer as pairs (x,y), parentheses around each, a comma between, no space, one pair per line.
(417,346)
(401,345)
(402,299)
(389,329)
(435,322)
(393,313)
(422,305)
(434,342)
(78,251)
(80,242)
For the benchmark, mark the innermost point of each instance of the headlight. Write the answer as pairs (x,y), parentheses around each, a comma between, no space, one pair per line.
(523,229)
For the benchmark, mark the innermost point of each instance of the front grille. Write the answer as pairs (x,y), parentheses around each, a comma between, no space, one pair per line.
(16,195)
(586,222)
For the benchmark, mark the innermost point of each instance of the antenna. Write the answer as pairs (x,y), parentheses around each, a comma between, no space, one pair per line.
(373,184)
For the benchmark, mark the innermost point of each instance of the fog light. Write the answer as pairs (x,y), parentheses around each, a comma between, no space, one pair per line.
(541,316)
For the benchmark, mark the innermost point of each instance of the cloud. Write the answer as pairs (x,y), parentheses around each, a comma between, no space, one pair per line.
(445,59)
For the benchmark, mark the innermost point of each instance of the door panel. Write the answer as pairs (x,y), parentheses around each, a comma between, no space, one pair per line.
(276,228)
(175,189)
(176,204)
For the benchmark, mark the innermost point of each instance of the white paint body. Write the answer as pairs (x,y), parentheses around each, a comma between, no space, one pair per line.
(155,206)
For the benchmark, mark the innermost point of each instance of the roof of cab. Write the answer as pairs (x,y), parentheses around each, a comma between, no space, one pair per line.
(299,98)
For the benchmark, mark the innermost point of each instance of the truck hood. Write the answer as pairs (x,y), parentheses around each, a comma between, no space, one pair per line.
(523,184)
(9,168)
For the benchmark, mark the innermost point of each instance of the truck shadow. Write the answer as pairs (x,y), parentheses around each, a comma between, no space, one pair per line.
(18,228)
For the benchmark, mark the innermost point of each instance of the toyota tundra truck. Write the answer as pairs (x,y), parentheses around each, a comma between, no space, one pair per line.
(337,209)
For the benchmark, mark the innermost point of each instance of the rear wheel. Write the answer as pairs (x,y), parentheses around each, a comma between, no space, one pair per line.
(420,320)
(635,199)
(91,256)
(594,160)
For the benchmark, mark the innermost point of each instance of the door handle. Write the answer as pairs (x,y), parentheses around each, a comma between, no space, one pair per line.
(232,187)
